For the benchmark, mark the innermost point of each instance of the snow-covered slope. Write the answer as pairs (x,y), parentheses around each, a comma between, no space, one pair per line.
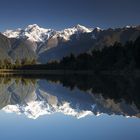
(78,29)
(38,34)
(32,32)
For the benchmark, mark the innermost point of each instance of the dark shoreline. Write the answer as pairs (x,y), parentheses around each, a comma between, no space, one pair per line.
(38,72)
(41,72)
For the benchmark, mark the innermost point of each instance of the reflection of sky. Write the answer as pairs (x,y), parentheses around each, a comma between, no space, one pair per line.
(58,126)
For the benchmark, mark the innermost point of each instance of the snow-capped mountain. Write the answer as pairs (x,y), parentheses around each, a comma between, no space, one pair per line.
(38,34)
(31,32)
(78,29)
(48,44)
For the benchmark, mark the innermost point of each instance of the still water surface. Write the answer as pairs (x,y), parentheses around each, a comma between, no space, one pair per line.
(72,108)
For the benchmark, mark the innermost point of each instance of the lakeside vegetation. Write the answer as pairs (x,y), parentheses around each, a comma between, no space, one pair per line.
(7,64)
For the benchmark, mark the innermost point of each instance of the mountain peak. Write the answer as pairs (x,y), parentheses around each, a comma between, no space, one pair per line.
(31,27)
(82,28)
(79,26)
(97,29)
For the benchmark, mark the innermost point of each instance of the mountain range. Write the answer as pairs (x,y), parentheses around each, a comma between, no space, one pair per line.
(46,45)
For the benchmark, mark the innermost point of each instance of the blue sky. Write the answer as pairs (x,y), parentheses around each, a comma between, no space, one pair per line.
(59,14)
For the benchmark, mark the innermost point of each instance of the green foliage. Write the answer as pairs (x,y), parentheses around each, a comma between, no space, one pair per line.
(8,64)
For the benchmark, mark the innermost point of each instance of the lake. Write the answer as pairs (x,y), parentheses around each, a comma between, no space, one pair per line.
(72,107)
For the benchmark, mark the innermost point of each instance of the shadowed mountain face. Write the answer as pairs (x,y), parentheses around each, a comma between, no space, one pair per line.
(13,49)
(71,97)
(47,44)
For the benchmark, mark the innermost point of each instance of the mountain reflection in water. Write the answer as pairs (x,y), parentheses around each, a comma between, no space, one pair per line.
(77,96)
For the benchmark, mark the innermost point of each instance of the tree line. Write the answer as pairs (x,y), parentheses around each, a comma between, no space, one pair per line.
(9,64)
